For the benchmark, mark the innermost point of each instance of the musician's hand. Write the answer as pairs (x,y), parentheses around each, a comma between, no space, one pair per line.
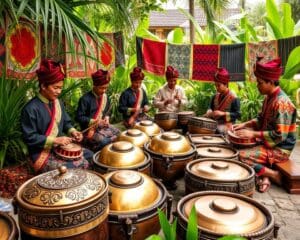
(106,121)
(217,114)
(131,121)
(168,101)
(238,126)
(208,114)
(246,133)
(77,136)
(62,140)
(146,108)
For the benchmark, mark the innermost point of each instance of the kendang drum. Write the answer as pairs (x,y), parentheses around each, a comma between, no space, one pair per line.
(148,127)
(240,142)
(184,116)
(134,200)
(166,120)
(217,151)
(63,204)
(135,136)
(170,152)
(122,155)
(69,152)
(223,213)
(219,175)
(202,125)
(212,139)
(8,227)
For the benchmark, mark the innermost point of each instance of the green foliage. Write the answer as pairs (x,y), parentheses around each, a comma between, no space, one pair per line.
(293,64)
(251,100)
(13,97)
(199,95)
(176,36)
(232,238)
(192,228)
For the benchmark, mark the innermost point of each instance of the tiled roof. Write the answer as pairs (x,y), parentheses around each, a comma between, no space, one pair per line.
(175,18)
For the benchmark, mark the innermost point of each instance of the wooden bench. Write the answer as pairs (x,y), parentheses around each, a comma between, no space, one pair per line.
(290,171)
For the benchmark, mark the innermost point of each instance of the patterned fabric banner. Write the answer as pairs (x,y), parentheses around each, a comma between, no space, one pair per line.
(75,64)
(139,53)
(154,54)
(23,52)
(205,62)
(179,57)
(119,49)
(285,46)
(268,50)
(106,53)
(232,57)
(2,49)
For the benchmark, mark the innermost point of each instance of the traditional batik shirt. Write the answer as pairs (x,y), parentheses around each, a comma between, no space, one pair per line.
(277,122)
(227,103)
(165,93)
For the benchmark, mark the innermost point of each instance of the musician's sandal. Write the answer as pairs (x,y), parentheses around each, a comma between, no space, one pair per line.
(263,184)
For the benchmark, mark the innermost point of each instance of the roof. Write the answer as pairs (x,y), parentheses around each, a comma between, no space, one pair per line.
(175,18)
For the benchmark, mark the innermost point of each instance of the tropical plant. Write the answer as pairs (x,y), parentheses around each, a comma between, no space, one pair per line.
(251,100)
(192,233)
(13,97)
(200,95)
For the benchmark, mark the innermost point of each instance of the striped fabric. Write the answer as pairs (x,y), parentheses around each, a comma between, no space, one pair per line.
(285,46)
(205,62)
(232,57)
(179,57)
(139,54)
(268,50)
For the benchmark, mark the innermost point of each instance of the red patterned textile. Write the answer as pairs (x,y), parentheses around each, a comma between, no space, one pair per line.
(75,64)
(205,62)
(107,53)
(91,64)
(154,56)
(23,50)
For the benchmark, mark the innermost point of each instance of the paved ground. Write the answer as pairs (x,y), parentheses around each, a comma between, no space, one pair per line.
(284,206)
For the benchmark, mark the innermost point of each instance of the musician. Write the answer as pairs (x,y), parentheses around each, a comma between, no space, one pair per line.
(275,126)
(93,114)
(44,120)
(170,97)
(133,103)
(224,106)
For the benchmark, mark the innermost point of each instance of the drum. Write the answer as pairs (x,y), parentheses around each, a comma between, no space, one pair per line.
(170,152)
(202,125)
(122,155)
(67,204)
(8,227)
(184,116)
(69,152)
(134,200)
(217,151)
(148,127)
(166,120)
(219,175)
(200,139)
(241,142)
(221,213)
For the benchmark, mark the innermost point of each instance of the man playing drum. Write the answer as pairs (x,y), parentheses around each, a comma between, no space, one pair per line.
(170,97)
(133,103)
(44,120)
(275,126)
(224,106)
(93,112)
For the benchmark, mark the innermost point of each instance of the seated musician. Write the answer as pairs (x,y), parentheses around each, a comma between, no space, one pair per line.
(170,97)
(224,106)
(133,102)
(44,120)
(275,126)
(93,114)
